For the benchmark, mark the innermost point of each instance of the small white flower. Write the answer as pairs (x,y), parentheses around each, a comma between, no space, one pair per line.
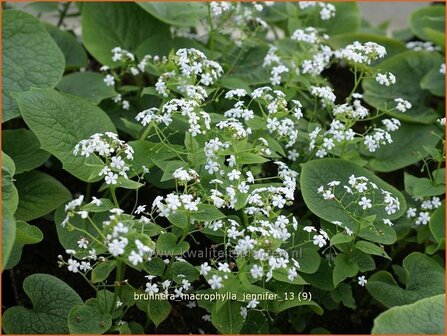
(365,203)
(215,282)
(362,280)
(109,80)
(257,271)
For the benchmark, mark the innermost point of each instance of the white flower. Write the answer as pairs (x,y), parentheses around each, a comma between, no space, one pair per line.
(386,79)
(135,258)
(204,268)
(215,282)
(96,201)
(292,274)
(252,304)
(73,265)
(319,240)
(257,271)
(109,80)
(244,312)
(423,218)
(402,105)
(387,222)
(111,178)
(411,212)
(362,280)
(436,202)
(140,209)
(365,203)
(116,247)
(234,175)
(83,243)
(151,288)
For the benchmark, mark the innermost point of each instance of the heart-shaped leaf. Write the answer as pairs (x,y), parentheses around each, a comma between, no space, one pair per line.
(52,300)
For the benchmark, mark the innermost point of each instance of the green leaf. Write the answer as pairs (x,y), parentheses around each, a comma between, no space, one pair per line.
(10,196)
(167,245)
(432,17)
(60,121)
(343,293)
(186,14)
(371,248)
(158,311)
(344,268)
(88,85)
(69,237)
(423,186)
(183,270)
(39,194)
(206,213)
(434,81)
(318,173)
(24,148)
(250,158)
(426,316)
(408,141)
(109,25)
(341,238)
(228,319)
(437,224)
(52,300)
(409,68)
(102,271)
(8,234)
(74,53)
(30,58)
(179,219)
(88,318)
(25,235)
(425,278)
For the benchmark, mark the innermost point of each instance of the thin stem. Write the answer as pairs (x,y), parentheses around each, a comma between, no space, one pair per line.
(63,13)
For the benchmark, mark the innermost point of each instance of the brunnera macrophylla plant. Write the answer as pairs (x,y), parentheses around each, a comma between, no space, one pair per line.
(224,167)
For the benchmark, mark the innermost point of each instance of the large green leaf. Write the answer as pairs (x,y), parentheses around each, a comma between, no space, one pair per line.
(109,25)
(10,196)
(69,237)
(30,58)
(60,121)
(434,81)
(74,53)
(8,234)
(437,224)
(158,311)
(39,194)
(425,279)
(426,316)
(89,85)
(51,298)
(409,68)
(407,147)
(228,319)
(88,318)
(426,20)
(318,173)
(24,148)
(185,14)
(25,235)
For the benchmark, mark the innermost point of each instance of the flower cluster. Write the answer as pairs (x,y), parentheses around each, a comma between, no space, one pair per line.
(422,212)
(360,193)
(115,153)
